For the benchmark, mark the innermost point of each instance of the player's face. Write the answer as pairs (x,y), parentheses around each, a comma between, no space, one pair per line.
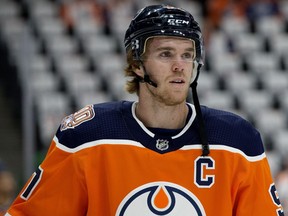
(169,63)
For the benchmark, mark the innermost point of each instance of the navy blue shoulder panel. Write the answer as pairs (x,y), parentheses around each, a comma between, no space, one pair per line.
(225,128)
(107,123)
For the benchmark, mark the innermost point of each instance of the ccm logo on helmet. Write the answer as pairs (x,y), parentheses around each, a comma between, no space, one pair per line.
(177,21)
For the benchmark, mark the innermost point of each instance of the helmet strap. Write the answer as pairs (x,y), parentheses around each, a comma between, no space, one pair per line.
(202,131)
(146,77)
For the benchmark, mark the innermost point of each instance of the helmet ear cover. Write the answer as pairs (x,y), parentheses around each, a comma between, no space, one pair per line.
(162,20)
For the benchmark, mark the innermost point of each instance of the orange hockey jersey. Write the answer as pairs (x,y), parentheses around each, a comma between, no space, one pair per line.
(104,162)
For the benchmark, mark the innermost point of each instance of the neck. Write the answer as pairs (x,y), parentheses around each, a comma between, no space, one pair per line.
(162,116)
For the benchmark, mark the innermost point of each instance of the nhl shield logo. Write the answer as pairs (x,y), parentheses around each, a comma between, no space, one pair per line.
(160,198)
(162,144)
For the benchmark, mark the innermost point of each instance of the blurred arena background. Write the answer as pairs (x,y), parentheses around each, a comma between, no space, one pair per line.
(56,56)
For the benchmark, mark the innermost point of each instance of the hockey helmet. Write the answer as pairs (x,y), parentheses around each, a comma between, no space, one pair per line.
(163,20)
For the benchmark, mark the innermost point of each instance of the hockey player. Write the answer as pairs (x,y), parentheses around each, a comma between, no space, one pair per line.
(159,155)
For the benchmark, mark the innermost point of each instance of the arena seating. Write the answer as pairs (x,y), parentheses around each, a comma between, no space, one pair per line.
(247,71)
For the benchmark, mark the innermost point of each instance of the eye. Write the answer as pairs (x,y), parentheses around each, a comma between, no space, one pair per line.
(166,54)
(189,56)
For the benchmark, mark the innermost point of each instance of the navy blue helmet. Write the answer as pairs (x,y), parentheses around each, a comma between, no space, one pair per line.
(163,20)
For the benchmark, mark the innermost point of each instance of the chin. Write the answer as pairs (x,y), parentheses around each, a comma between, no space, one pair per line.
(175,100)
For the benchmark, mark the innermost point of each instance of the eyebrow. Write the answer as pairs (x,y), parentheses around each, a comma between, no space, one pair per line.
(190,49)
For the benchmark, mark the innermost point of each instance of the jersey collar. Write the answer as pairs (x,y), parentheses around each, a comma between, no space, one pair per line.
(151,134)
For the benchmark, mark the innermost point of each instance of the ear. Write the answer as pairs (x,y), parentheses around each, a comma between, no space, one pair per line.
(138,70)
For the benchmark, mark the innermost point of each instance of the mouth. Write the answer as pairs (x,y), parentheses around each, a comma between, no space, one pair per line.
(177,81)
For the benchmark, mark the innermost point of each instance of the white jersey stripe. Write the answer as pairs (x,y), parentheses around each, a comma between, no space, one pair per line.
(138,144)
(230,149)
(96,143)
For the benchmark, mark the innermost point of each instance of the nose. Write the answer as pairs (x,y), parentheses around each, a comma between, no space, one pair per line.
(178,66)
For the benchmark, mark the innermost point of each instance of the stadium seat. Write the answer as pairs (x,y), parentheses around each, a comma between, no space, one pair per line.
(84,98)
(251,101)
(269,25)
(40,62)
(284,8)
(248,43)
(280,140)
(71,63)
(116,85)
(87,28)
(218,43)
(269,121)
(238,81)
(9,9)
(82,81)
(120,17)
(259,62)
(109,65)
(218,99)
(225,63)
(283,100)
(274,81)
(208,82)
(279,43)
(47,27)
(42,9)
(60,45)
(44,81)
(51,107)
(234,25)
(96,46)
(18,36)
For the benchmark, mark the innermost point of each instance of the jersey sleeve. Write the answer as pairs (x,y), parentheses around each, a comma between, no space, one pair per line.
(257,194)
(253,191)
(57,187)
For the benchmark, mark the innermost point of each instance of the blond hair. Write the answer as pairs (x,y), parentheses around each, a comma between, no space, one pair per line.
(132,83)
